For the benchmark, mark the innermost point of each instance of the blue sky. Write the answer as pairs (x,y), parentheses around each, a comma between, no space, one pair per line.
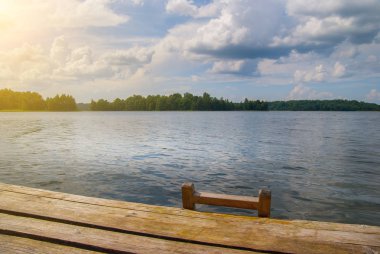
(259,49)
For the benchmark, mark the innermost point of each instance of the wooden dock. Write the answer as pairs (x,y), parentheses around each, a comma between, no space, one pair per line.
(40,221)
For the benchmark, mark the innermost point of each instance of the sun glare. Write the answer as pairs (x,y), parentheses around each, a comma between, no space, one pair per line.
(7,10)
(19,23)
(5,7)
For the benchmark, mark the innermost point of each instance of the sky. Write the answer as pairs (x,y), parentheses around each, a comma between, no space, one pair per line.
(256,49)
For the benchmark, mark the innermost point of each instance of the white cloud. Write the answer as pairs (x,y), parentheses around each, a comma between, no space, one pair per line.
(59,50)
(373,95)
(318,74)
(286,66)
(188,8)
(326,23)
(63,63)
(26,63)
(70,13)
(219,33)
(322,72)
(80,63)
(138,2)
(228,66)
(345,50)
(301,92)
(323,8)
(339,70)
(120,64)
(319,32)
(58,14)
(210,10)
(235,29)
(268,67)
(181,7)
(131,56)
(40,20)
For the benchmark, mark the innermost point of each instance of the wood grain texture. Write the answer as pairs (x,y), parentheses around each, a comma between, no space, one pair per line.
(20,245)
(190,197)
(100,240)
(226,200)
(180,225)
(180,212)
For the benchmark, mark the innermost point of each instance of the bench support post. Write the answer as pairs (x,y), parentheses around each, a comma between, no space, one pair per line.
(188,190)
(264,203)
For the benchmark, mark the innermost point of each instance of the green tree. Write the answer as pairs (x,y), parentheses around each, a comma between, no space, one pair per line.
(61,103)
(118,105)
(10,100)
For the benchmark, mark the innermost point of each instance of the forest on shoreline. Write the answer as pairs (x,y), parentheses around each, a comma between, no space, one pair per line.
(32,101)
(176,102)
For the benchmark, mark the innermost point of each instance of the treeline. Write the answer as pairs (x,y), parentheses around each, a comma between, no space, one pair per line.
(32,101)
(176,101)
(323,105)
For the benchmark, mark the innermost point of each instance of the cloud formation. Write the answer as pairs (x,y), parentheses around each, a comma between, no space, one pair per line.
(189,8)
(324,23)
(301,92)
(181,7)
(61,14)
(63,63)
(216,45)
(339,70)
(241,30)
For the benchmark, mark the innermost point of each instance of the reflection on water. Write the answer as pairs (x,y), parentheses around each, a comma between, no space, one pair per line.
(319,165)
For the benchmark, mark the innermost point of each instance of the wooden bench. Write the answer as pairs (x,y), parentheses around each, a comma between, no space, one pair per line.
(190,197)
(41,221)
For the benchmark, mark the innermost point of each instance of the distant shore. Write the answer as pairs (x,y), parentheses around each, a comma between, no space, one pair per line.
(189,102)
(11,101)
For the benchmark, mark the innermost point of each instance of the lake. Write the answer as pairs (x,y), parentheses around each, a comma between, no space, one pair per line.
(321,166)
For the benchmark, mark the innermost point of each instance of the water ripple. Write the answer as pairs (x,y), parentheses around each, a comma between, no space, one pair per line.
(319,165)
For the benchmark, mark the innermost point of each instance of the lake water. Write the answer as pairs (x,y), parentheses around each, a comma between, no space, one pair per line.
(319,165)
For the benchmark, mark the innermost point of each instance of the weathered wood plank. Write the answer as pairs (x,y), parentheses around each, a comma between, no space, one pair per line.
(226,200)
(103,202)
(182,212)
(20,245)
(248,232)
(101,240)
